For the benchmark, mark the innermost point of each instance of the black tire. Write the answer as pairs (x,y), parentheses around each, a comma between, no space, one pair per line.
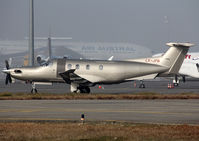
(141,86)
(176,84)
(33,91)
(82,91)
(88,90)
(85,90)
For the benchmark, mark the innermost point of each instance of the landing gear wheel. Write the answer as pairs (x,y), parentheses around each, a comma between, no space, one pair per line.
(176,84)
(78,91)
(88,90)
(84,90)
(142,86)
(33,91)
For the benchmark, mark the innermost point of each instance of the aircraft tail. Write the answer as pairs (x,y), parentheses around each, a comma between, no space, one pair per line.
(174,57)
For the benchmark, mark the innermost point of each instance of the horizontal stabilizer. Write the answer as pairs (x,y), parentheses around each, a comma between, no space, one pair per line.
(173,44)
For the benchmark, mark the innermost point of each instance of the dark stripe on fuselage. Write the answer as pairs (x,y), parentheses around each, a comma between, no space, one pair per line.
(60,66)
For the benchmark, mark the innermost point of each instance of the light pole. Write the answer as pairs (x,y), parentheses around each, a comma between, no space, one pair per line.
(31,34)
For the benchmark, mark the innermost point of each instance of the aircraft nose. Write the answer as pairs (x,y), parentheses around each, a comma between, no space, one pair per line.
(6,71)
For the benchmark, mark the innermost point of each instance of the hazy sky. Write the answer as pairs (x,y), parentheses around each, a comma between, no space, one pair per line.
(150,23)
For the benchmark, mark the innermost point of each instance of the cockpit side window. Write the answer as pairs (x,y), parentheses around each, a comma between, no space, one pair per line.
(77,66)
(87,67)
(100,67)
(69,66)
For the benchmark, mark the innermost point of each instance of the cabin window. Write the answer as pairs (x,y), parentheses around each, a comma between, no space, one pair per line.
(100,67)
(69,66)
(87,67)
(77,66)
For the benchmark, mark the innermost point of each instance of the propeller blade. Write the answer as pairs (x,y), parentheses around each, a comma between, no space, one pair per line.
(183,79)
(6,82)
(7,64)
(9,78)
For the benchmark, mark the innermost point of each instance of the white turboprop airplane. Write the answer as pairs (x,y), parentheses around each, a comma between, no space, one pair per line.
(82,74)
(189,68)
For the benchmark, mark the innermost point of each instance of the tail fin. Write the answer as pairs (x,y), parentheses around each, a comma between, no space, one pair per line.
(174,57)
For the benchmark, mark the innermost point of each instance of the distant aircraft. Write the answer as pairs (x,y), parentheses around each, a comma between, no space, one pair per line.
(87,50)
(41,59)
(189,68)
(82,74)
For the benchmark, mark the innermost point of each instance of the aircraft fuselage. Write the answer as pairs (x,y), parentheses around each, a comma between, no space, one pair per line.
(95,71)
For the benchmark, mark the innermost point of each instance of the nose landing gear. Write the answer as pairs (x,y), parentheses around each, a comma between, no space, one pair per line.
(33,90)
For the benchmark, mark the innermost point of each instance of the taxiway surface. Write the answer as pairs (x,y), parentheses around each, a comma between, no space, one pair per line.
(139,111)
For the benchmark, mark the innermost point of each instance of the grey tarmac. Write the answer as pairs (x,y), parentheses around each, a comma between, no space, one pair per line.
(137,111)
(142,111)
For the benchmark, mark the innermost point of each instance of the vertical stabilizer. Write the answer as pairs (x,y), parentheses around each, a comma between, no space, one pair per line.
(174,57)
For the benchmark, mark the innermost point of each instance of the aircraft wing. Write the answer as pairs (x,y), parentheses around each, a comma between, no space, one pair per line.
(70,77)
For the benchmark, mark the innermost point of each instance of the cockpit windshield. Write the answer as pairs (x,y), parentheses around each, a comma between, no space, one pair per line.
(50,63)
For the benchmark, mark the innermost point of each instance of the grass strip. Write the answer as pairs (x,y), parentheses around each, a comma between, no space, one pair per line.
(96,131)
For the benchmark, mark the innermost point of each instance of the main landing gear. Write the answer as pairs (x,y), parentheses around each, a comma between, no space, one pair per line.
(142,85)
(84,89)
(176,81)
(75,88)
